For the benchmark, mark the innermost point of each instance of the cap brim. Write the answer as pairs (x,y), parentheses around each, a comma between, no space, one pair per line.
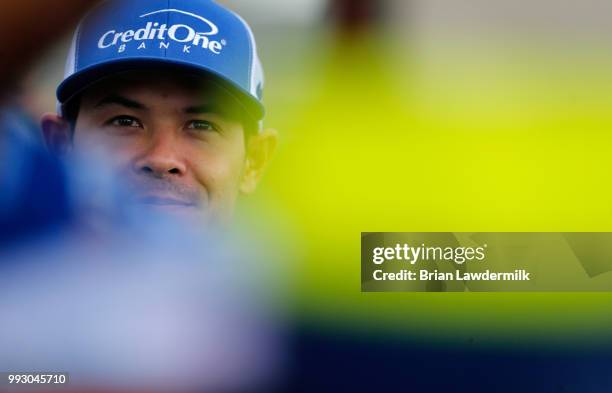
(80,81)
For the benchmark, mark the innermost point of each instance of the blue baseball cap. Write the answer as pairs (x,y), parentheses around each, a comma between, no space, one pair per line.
(197,36)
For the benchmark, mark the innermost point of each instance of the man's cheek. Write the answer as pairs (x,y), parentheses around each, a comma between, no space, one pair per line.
(220,175)
(115,151)
(91,140)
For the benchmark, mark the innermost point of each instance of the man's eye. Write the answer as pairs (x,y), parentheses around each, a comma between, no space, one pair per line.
(201,125)
(125,121)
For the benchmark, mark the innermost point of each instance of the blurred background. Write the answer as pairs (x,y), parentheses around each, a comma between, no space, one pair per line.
(427,115)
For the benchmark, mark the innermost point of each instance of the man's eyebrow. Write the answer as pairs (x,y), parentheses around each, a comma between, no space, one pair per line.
(205,108)
(115,99)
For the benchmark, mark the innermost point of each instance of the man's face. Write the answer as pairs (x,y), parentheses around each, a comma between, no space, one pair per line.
(174,138)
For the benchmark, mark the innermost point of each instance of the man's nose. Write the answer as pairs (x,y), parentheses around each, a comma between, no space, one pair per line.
(161,159)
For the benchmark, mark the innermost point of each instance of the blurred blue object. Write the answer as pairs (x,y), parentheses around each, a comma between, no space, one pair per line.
(33,197)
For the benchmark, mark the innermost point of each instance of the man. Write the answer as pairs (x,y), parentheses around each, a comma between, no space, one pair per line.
(170,91)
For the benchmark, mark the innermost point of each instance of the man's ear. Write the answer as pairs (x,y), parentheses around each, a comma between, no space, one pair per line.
(57,133)
(260,148)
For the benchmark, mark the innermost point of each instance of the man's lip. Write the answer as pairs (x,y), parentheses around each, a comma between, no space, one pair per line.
(155,200)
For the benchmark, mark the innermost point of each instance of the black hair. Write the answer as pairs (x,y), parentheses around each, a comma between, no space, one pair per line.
(70,111)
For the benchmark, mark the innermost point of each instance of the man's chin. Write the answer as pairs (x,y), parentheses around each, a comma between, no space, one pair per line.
(189,213)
